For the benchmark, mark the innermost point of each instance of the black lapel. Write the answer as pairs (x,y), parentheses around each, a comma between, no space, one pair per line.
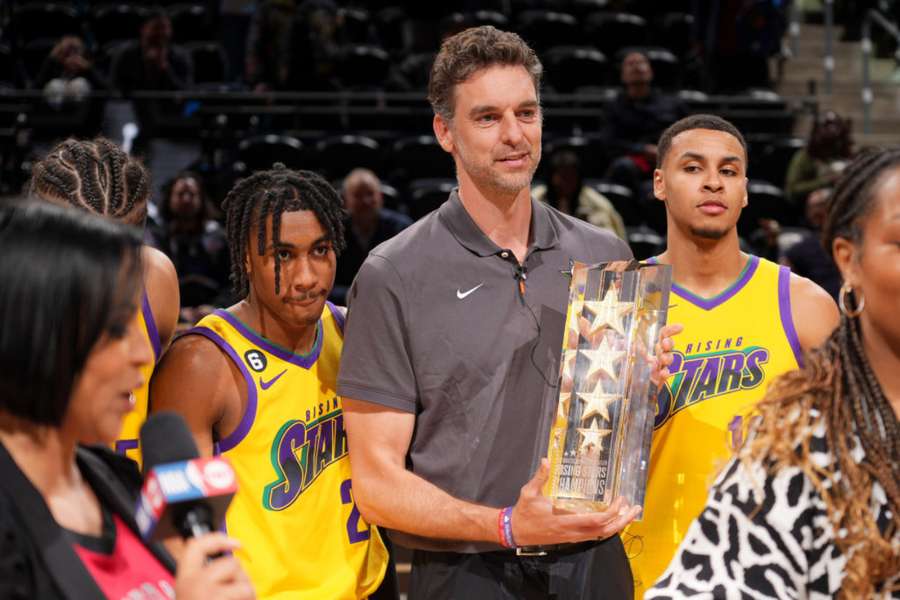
(65,567)
(108,487)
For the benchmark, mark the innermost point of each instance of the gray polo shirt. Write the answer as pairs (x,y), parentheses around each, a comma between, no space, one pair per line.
(438,327)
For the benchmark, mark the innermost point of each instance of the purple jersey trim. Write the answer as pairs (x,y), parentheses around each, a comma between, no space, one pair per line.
(305,361)
(711,303)
(249,416)
(339,317)
(151,325)
(787,319)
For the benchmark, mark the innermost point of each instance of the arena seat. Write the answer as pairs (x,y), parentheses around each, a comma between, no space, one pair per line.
(775,157)
(644,242)
(458,21)
(611,31)
(426,195)
(33,54)
(545,29)
(567,68)
(621,198)
(389,25)
(363,67)
(419,157)
(416,68)
(337,156)
(117,22)
(191,23)
(261,152)
(50,20)
(210,62)
(590,150)
(765,201)
(675,32)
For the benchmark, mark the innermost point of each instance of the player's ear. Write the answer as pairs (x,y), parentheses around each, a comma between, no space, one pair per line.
(659,185)
(442,132)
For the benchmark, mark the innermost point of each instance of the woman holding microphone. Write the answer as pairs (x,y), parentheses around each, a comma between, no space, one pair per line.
(71,355)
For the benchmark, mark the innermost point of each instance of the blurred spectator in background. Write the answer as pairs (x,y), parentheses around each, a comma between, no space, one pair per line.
(828,151)
(808,258)
(369,224)
(67,75)
(739,37)
(634,123)
(568,193)
(314,50)
(194,240)
(268,44)
(153,62)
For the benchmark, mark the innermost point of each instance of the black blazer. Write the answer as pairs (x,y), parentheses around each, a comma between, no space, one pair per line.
(37,559)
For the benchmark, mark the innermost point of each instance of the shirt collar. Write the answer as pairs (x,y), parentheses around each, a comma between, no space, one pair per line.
(455,217)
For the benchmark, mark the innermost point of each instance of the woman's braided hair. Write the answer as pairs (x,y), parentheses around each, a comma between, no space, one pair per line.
(94,175)
(839,388)
(275,192)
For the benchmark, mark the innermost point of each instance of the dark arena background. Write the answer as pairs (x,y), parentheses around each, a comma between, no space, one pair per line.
(205,93)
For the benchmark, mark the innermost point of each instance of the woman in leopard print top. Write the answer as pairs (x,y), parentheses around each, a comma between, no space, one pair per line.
(810,507)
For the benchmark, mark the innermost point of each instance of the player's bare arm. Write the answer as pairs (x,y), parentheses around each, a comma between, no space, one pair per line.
(196,380)
(161,282)
(814,312)
(389,495)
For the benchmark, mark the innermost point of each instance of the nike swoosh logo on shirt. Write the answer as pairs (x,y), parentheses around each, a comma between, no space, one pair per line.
(461,295)
(267,384)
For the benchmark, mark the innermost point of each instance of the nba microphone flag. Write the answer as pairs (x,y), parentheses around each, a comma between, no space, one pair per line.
(174,486)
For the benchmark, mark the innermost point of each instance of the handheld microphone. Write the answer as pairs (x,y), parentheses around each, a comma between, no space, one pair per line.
(182,493)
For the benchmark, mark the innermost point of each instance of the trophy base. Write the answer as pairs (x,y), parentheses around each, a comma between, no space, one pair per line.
(579,505)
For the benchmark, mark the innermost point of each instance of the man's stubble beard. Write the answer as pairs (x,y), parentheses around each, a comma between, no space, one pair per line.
(505,184)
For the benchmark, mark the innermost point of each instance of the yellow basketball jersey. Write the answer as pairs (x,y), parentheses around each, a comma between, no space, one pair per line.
(129,440)
(301,533)
(732,346)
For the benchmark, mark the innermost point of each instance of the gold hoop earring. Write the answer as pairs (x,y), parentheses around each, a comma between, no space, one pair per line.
(846,290)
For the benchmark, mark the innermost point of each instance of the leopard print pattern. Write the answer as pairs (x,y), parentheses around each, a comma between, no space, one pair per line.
(764,536)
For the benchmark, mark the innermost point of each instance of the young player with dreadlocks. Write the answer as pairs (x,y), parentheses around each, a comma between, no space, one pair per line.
(256,382)
(810,507)
(98,177)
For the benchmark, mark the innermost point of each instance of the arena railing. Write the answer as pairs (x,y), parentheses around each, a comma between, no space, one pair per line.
(873,17)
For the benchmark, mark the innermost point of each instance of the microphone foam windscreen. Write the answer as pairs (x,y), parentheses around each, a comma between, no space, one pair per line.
(166,438)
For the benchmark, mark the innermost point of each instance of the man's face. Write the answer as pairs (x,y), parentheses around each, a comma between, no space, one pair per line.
(495,134)
(308,264)
(362,197)
(636,69)
(185,199)
(156,33)
(703,183)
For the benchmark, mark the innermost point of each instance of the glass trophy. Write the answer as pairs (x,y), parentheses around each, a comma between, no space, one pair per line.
(599,445)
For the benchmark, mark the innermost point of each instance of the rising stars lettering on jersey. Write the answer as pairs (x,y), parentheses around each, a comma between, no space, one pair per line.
(732,347)
(302,536)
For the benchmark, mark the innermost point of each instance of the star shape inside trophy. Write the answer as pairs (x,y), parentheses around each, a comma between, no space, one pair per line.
(597,404)
(603,360)
(609,312)
(593,437)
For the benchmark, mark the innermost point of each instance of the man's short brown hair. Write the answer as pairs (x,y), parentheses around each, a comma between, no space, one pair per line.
(471,50)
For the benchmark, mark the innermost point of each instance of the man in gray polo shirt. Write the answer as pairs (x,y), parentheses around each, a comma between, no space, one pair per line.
(451,355)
